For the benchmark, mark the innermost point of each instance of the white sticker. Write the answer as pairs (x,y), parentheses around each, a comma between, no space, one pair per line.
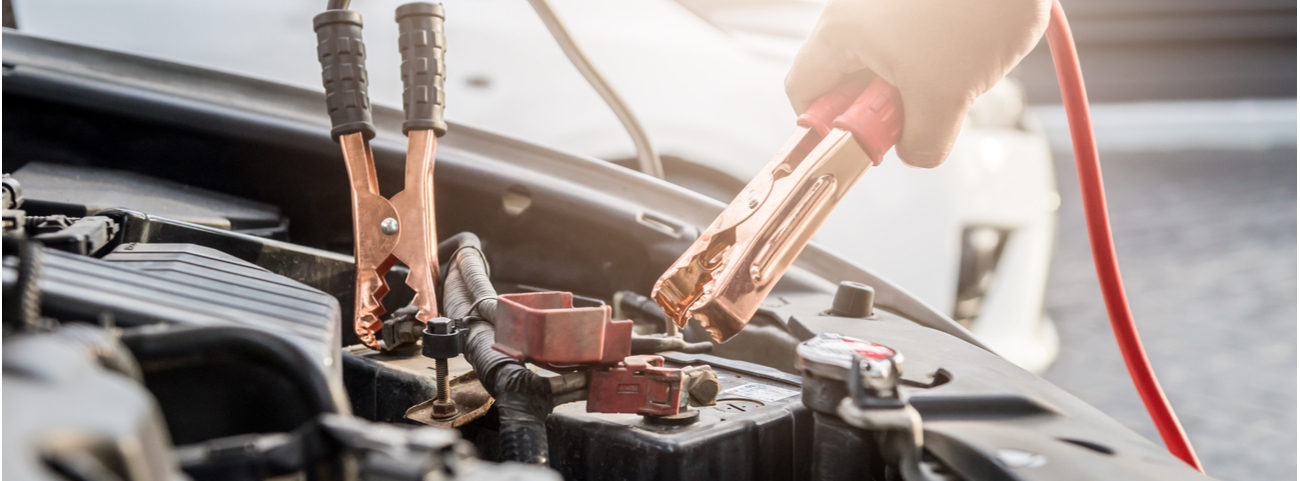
(758,392)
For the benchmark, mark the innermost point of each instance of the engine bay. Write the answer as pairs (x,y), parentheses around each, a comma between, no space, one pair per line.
(178,282)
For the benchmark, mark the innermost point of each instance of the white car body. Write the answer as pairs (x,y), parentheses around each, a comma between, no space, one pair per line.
(707,91)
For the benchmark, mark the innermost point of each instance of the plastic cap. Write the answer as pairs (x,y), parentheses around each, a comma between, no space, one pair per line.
(853,299)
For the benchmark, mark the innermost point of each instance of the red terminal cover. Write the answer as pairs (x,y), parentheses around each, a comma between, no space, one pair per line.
(641,384)
(875,119)
(544,327)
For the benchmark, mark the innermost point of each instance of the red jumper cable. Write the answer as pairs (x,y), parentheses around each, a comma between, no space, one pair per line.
(731,267)
(1070,76)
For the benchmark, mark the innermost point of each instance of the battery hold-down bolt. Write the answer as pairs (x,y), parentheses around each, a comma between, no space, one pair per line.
(441,341)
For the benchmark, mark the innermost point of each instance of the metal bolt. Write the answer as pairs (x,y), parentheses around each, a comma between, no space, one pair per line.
(443,406)
(752,203)
(388,226)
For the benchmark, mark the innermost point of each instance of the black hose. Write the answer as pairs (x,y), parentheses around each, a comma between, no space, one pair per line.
(647,309)
(456,299)
(657,344)
(523,398)
(160,347)
(467,258)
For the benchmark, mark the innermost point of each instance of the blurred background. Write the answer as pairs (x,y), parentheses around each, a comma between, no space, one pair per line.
(1195,109)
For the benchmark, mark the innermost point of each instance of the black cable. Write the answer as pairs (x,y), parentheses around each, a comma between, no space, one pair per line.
(657,344)
(523,398)
(468,258)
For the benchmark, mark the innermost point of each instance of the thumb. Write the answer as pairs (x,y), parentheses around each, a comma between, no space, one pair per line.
(816,70)
(932,119)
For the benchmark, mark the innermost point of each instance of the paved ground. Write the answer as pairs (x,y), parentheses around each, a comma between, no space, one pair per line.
(1207,246)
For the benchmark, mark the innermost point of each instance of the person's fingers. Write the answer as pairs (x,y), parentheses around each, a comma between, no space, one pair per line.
(816,70)
(930,125)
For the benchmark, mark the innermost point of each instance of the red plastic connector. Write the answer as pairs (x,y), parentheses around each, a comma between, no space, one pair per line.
(875,119)
(640,385)
(544,327)
(823,111)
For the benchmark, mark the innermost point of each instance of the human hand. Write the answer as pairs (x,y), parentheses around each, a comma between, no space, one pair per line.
(940,55)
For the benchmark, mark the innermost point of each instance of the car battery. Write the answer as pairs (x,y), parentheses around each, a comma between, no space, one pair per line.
(757,430)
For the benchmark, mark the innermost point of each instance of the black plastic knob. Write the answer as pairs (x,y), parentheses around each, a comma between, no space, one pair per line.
(343,70)
(853,299)
(441,339)
(422,43)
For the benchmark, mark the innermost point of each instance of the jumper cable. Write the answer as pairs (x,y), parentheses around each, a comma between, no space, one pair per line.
(401,228)
(724,276)
(1070,76)
(727,272)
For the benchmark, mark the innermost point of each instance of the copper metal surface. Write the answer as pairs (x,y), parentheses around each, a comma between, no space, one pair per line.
(417,244)
(725,275)
(414,243)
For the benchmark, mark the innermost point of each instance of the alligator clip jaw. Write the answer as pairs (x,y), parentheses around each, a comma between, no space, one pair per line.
(723,278)
(688,289)
(372,216)
(387,231)
(401,229)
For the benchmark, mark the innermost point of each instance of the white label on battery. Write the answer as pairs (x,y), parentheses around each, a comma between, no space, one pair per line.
(758,392)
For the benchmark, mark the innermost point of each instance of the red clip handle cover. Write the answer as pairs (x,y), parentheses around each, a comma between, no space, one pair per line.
(875,119)
(824,110)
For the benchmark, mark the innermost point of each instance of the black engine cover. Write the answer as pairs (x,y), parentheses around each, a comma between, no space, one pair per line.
(189,285)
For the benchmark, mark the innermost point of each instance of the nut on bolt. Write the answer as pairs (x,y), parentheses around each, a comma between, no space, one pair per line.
(443,409)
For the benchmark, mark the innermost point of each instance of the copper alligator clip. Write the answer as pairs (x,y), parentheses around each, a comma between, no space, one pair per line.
(725,275)
(402,228)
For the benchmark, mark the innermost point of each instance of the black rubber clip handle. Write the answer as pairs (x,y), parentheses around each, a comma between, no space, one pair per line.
(343,70)
(422,43)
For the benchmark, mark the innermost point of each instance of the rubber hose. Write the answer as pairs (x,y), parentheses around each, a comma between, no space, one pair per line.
(468,258)
(655,344)
(456,299)
(523,398)
(161,347)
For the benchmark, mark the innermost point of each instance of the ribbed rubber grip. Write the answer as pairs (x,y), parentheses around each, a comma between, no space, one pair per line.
(875,119)
(343,70)
(420,38)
